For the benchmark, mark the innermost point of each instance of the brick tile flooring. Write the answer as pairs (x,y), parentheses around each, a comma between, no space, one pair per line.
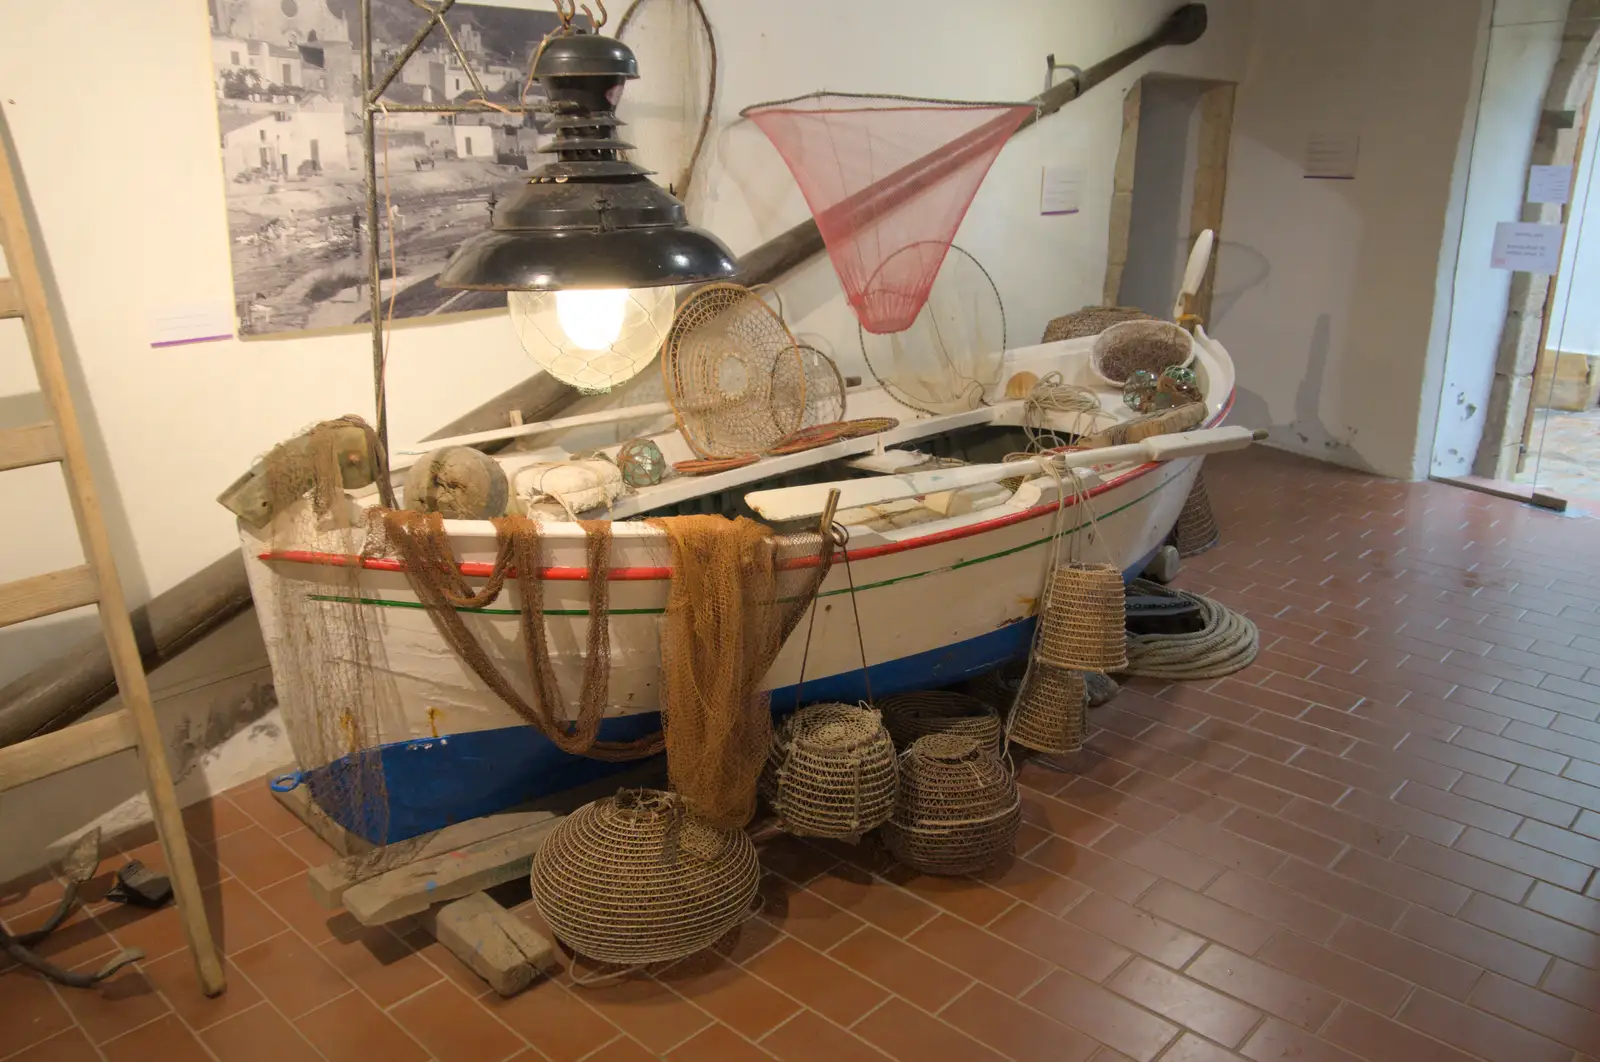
(1378,843)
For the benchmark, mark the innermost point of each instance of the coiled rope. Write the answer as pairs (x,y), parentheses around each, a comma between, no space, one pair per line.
(1227,643)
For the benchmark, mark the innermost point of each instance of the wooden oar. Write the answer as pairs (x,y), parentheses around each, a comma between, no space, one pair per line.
(794,503)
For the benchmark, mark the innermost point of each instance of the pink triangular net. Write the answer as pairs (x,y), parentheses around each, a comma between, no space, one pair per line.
(888,180)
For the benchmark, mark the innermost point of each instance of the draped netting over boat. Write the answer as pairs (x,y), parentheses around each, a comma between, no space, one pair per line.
(737,591)
(888,180)
(327,662)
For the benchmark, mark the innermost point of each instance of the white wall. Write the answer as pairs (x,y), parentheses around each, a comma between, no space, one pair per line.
(145,227)
(1522,48)
(1324,288)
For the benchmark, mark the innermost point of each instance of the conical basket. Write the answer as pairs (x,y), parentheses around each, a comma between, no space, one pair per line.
(958,808)
(910,716)
(1196,530)
(1051,714)
(832,772)
(631,879)
(1084,619)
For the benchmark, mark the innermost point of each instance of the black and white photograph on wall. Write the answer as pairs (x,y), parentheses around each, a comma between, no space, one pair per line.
(287,77)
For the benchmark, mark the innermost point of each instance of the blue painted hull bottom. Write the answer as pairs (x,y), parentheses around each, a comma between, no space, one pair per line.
(434,782)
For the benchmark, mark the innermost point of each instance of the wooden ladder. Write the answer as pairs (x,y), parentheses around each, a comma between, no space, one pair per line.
(22,295)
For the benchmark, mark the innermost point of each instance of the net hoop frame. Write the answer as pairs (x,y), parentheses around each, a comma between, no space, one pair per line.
(744,112)
(893,390)
(669,363)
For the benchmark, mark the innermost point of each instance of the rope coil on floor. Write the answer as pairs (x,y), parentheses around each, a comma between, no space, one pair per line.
(1227,643)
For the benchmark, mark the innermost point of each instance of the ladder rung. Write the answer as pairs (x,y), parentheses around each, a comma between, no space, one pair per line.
(10,299)
(45,595)
(34,444)
(62,750)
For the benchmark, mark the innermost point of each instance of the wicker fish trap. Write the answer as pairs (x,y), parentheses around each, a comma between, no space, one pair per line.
(1084,619)
(998,688)
(958,808)
(832,772)
(1051,715)
(1090,321)
(632,879)
(910,716)
(1196,530)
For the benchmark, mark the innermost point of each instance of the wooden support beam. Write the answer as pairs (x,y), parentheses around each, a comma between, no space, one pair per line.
(63,750)
(10,299)
(47,594)
(34,444)
(493,943)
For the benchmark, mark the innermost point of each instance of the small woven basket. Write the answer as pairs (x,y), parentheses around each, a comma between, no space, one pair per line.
(631,879)
(1052,713)
(1196,530)
(832,772)
(1084,620)
(958,808)
(998,688)
(910,716)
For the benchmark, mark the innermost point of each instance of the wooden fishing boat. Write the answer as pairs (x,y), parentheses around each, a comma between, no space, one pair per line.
(946,587)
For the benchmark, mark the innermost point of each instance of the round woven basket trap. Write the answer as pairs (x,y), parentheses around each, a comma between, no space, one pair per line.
(910,716)
(958,808)
(1051,715)
(631,879)
(1084,620)
(832,772)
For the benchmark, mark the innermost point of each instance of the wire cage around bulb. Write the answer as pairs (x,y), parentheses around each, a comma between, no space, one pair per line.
(593,339)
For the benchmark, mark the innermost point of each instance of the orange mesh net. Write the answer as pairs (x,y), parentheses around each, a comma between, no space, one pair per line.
(888,180)
(737,592)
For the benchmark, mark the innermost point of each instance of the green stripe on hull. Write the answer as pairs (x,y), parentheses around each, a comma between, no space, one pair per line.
(384,603)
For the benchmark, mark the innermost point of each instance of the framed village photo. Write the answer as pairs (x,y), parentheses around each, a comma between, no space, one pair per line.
(287,77)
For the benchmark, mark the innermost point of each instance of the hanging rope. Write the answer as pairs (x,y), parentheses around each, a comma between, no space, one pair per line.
(1227,643)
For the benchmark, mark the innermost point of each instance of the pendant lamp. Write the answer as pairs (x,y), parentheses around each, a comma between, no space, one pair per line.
(590,249)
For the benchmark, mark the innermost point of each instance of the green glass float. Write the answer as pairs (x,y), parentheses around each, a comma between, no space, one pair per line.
(642,463)
(1181,382)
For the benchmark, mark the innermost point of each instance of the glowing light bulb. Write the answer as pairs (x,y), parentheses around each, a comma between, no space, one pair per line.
(592,318)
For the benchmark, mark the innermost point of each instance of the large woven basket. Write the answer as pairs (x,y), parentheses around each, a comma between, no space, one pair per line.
(832,772)
(1084,620)
(958,808)
(998,688)
(1196,530)
(631,879)
(1051,715)
(910,716)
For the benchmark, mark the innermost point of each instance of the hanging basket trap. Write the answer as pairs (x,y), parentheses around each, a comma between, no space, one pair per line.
(1084,619)
(632,879)
(832,772)
(1196,530)
(910,716)
(958,808)
(1051,715)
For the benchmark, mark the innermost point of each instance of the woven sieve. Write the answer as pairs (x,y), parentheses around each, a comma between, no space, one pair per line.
(631,879)
(958,808)
(832,772)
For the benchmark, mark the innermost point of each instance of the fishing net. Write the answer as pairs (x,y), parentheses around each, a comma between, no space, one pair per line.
(635,879)
(824,395)
(1196,530)
(950,357)
(1090,321)
(910,716)
(733,373)
(668,110)
(736,593)
(420,541)
(958,808)
(832,772)
(888,180)
(1051,715)
(327,664)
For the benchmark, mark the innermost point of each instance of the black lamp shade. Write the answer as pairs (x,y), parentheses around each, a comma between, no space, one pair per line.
(590,218)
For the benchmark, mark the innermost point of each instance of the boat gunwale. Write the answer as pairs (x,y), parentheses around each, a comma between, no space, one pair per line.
(483,569)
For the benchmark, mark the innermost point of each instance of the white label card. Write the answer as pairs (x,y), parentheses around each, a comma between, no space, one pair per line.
(1525,247)
(1549,184)
(191,322)
(1061,190)
(1331,155)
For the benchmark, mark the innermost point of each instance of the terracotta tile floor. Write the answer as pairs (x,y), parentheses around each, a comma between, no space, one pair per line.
(1376,843)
